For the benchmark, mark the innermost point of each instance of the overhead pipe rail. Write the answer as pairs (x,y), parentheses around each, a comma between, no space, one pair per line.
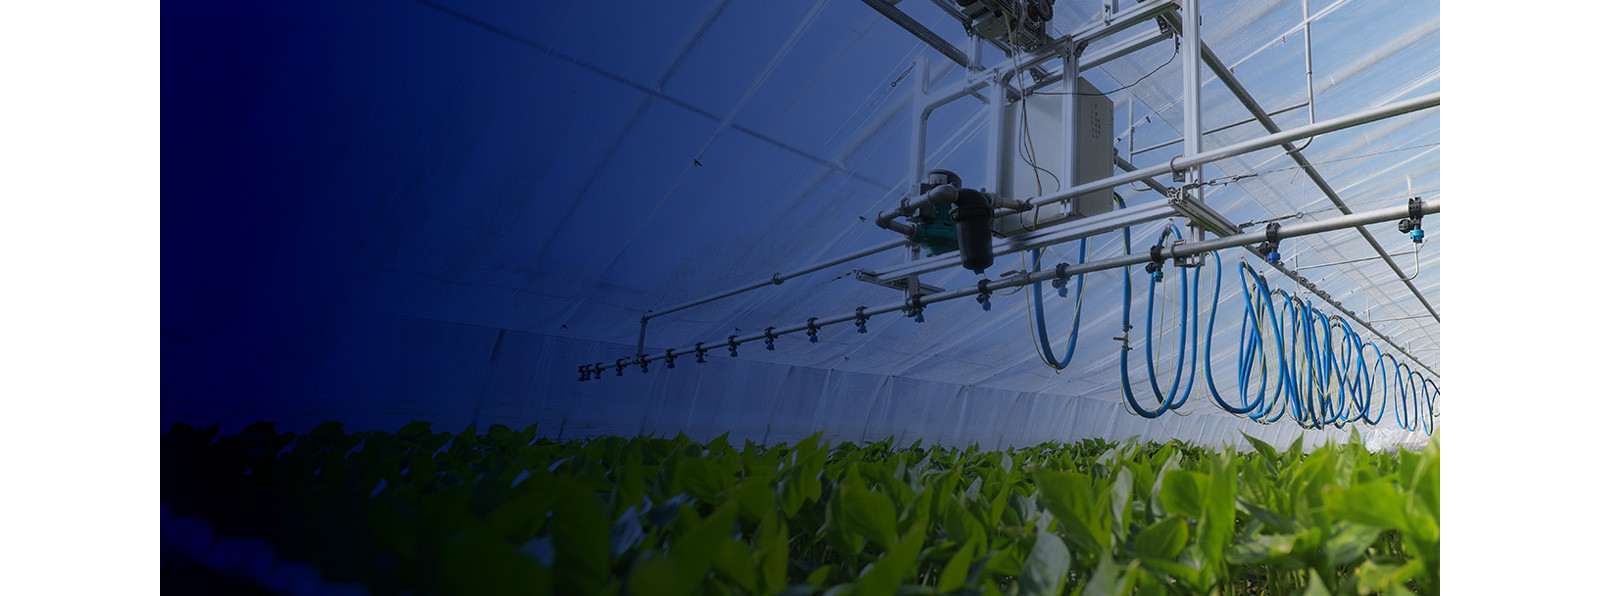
(985,288)
(1221,226)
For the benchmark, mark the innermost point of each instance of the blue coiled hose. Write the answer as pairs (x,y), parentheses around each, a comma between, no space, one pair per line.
(1038,314)
(1323,377)
(1170,399)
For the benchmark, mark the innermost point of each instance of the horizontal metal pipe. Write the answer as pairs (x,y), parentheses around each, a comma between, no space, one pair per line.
(1218,129)
(1400,318)
(1180,251)
(1257,144)
(778,278)
(1341,222)
(1294,134)
(1073,230)
(1346,262)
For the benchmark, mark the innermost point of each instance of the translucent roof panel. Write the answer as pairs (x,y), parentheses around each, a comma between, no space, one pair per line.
(441,209)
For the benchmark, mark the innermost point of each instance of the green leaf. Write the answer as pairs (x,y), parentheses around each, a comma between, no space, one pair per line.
(1348,542)
(822,575)
(735,562)
(772,550)
(1265,548)
(1376,503)
(1215,531)
(1045,571)
(1163,540)
(887,572)
(1107,580)
(658,575)
(1183,493)
(1376,577)
(499,432)
(703,479)
(754,496)
(868,513)
(963,528)
(416,427)
(1279,524)
(956,570)
(1268,454)
(580,531)
(1314,586)
(1069,496)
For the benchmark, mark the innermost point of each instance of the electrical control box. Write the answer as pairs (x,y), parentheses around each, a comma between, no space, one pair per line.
(1039,173)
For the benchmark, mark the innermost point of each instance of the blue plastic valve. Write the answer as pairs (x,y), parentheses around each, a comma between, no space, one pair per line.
(1273,257)
(1416,235)
(918,318)
(1062,291)
(861,327)
(813,337)
(1156,276)
(985,304)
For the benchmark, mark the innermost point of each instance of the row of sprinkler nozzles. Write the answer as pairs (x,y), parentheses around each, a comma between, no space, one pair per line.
(589,372)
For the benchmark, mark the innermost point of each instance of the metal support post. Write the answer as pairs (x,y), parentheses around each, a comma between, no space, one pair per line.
(997,127)
(1069,120)
(1191,93)
(919,126)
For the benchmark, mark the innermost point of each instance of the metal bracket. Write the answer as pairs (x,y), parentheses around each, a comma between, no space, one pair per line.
(902,284)
(1200,215)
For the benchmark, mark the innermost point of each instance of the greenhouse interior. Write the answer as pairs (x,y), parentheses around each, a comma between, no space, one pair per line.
(802,298)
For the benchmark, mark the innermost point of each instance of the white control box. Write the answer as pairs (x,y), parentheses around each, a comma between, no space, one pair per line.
(1092,152)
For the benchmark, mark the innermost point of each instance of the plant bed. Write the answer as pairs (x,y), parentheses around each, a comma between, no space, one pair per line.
(508,512)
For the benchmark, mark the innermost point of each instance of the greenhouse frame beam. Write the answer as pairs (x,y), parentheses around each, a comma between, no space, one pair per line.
(1220,69)
(921,31)
(1178,251)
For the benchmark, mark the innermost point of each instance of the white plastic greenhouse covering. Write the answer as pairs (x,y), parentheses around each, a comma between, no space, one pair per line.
(379,212)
